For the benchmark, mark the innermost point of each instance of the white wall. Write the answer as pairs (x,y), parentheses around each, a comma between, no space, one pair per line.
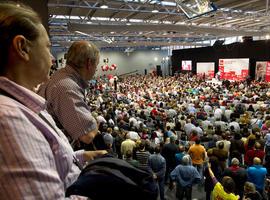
(60,56)
(136,60)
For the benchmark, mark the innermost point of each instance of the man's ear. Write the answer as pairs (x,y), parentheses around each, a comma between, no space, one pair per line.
(21,47)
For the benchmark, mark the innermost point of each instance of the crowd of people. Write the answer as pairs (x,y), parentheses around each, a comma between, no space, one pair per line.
(228,124)
(182,130)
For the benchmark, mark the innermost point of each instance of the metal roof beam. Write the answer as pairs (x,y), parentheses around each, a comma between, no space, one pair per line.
(112,9)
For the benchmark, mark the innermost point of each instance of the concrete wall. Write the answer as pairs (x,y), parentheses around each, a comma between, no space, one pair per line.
(128,62)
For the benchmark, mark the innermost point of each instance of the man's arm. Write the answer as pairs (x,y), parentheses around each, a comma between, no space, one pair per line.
(73,113)
(89,137)
(212,175)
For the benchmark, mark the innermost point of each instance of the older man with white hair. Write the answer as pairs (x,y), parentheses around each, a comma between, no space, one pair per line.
(185,175)
(238,174)
(66,92)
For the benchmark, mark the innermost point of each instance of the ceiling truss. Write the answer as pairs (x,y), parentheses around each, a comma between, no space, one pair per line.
(127,23)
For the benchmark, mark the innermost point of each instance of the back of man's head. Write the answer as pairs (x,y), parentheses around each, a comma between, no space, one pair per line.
(228,184)
(186,160)
(80,52)
(157,149)
(256,161)
(235,162)
(249,187)
(172,139)
(257,145)
(221,145)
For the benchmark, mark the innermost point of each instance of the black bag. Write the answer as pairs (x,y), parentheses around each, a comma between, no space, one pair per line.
(112,178)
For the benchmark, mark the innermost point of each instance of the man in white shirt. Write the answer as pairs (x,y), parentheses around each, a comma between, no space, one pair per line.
(188,127)
(207,108)
(235,125)
(218,113)
(228,113)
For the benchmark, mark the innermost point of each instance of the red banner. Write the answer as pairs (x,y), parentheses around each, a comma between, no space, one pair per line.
(267,72)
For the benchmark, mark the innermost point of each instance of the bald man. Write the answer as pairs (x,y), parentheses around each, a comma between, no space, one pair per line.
(65,92)
(257,174)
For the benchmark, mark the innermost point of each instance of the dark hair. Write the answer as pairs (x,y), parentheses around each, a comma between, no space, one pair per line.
(129,154)
(157,149)
(142,145)
(197,141)
(16,20)
(228,184)
(221,145)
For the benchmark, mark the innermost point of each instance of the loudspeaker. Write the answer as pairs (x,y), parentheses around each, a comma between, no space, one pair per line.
(247,39)
(159,71)
(218,43)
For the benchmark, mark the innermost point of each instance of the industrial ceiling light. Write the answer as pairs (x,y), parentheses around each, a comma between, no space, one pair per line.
(104,5)
(155,10)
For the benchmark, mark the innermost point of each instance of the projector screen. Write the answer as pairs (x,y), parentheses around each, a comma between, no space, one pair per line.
(234,69)
(207,68)
(186,65)
(262,72)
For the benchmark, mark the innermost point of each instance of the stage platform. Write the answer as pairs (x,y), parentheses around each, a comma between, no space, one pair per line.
(215,81)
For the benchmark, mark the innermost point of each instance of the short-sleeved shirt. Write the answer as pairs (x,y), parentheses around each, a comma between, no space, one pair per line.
(65,93)
(220,194)
(197,154)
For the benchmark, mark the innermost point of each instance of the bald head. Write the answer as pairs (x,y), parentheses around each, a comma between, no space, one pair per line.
(82,52)
(256,161)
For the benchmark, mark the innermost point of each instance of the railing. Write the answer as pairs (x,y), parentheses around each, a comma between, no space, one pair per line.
(128,73)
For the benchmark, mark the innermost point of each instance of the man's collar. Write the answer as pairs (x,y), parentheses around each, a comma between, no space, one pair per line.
(23,95)
(72,70)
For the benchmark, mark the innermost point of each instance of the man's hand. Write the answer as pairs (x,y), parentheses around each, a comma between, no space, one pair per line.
(91,155)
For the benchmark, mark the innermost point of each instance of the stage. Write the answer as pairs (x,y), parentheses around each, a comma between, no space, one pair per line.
(214,81)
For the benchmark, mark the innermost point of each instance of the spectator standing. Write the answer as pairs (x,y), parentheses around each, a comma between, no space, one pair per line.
(66,92)
(250,192)
(168,152)
(238,174)
(198,154)
(223,190)
(208,184)
(237,147)
(142,156)
(257,174)
(157,165)
(185,176)
(130,159)
(252,153)
(127,145)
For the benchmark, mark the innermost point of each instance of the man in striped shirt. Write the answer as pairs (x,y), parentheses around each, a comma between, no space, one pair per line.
(65,92)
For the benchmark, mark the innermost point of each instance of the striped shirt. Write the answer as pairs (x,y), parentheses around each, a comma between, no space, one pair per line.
(142,157)
(65,93)
(36,160)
